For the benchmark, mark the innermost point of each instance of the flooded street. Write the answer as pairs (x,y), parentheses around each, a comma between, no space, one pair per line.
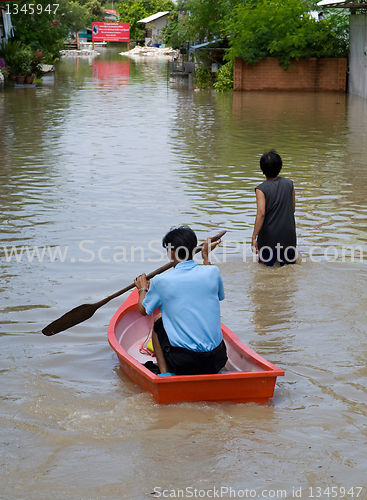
(111,156)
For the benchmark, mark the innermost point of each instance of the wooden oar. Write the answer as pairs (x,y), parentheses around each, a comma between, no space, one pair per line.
(86,311)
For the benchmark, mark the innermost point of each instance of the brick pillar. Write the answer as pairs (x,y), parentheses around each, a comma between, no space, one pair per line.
(342,80)
(237,74)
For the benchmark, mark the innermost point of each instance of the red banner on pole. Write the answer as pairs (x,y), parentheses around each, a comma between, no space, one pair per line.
(110,32)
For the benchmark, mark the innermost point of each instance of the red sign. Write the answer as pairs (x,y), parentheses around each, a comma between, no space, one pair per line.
(110,32)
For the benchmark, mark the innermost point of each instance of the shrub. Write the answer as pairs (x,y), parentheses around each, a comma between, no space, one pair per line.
(37,61)
(285,30)
(224,78)
(8,52)
(202,77)
(22,62)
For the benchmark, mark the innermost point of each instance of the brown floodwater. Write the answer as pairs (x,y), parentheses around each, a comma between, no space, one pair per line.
(112,156)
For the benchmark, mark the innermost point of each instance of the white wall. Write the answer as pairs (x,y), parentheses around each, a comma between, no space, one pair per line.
(358,55)
(159,24)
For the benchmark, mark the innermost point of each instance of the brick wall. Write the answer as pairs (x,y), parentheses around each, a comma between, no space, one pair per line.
(316,75)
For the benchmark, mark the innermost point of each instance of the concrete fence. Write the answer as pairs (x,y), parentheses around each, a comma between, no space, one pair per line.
(358,55)
(313,74)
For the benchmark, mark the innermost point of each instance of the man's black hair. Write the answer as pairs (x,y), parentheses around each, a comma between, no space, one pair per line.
(271,164)
(183,237)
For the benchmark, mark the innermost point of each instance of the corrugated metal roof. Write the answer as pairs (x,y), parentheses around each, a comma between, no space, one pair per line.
(327,2)
(330,2)
(201,45)
(342,4)
(153,17)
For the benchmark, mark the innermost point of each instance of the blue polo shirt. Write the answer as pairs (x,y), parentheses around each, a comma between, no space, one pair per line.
(188,298)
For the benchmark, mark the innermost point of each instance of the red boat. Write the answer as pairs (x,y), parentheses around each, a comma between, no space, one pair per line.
(246,377)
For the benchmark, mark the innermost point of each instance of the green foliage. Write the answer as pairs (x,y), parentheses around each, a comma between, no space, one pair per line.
(37,62)
(339,19)
(202,77)
(131,11)
(23,62)
(171,34)
(269,28)
(20,59)
(224,78)
(38,31)
(8,52)
(46,29)
(109,5)
(75,16)
(207,19)
(93,8)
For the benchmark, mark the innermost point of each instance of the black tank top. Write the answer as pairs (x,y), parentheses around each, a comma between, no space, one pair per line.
(279,225)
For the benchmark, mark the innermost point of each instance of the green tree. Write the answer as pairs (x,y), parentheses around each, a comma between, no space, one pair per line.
(269,28)
(47,28)
(207,19)
(94,9)
(38,30)
(171,34)
(339,19)
(131,11)
(74,16)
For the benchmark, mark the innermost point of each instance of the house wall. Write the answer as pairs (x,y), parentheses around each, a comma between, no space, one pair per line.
(159,24)
(357,83)
(311,74)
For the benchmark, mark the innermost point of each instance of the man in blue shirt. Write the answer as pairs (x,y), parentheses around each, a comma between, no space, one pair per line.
(187,336)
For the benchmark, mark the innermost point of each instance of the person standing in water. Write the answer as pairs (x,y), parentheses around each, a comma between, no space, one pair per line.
(274,235)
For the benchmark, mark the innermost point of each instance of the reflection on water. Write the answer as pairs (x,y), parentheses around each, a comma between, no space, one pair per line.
(111,69)
(273,297)
(112,156)
(222,141)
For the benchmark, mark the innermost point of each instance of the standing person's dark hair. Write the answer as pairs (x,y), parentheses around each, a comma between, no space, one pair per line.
(271,164)
(274,236)
(183,239)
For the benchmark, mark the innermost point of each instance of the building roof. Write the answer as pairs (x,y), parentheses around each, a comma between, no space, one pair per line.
(329,2)
(153,17)
(192,48)
(201,45)
(343,4)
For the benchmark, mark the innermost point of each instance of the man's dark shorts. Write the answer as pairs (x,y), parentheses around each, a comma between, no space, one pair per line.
(269,258)
(182,361)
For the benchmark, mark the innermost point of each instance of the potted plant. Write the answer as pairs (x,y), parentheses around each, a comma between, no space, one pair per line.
(28,75)
(37,62)
(23,61)
(8,52)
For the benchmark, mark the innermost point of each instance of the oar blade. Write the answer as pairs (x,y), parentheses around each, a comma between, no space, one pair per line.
(71,318)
